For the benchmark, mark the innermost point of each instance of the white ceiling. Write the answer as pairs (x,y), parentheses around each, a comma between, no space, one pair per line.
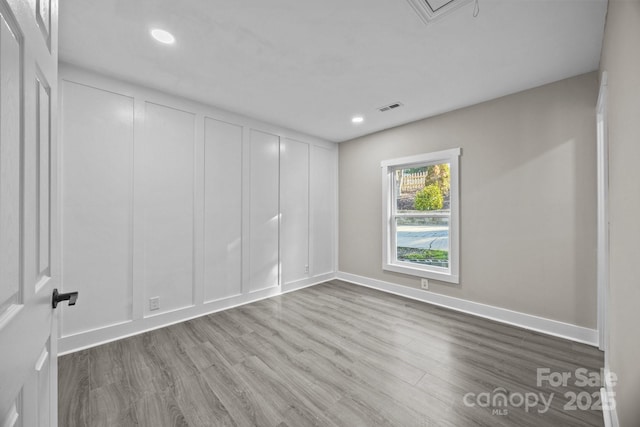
(312,65)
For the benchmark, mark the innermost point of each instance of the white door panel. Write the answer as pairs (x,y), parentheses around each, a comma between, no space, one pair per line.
(10,146)
(43,176)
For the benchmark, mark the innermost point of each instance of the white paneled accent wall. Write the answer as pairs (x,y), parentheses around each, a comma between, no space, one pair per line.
(264,211)
(294,209)
(166,192)
(222,206)
(323,176)
(97,190)
(170,200)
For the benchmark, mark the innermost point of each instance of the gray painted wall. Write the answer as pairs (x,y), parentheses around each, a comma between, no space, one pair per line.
(621,60)
(528,199)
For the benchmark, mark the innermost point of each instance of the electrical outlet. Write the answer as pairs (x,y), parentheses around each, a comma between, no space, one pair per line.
(154,303)
(306,269)
(424,283)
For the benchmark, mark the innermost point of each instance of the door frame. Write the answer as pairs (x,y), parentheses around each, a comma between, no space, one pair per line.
(602,214)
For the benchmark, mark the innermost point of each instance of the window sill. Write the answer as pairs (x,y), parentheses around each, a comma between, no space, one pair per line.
(419,272)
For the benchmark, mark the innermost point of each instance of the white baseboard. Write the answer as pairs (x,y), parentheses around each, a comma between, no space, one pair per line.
(608,399)
(539,324)
(304,283)
(92,338)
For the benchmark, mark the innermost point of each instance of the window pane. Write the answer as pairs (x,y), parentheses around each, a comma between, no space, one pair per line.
(423,240)
(425,188)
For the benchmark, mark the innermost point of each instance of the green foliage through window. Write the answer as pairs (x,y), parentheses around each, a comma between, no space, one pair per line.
(429,198)
(439,175)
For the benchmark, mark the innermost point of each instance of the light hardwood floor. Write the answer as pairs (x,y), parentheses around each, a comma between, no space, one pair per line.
(331,355)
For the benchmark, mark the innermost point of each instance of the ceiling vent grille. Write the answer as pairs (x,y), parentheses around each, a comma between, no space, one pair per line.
(390,107)
(430,10)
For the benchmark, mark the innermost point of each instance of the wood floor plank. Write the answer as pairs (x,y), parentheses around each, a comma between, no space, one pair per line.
(373,389)
(229,346)
(73,390)
(246,406)
(188,333)
(199,404)
(299,409)
(171,354)
(230,324)
(204,355)
(350,412)
(110,405)
(331,355)
(143,368)
(305,332)
(159,409)
(300,382)
(106,366)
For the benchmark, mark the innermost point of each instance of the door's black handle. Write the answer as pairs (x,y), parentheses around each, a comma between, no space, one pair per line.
(72,297)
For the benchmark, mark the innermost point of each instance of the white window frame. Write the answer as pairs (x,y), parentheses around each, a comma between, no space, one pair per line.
(390,262)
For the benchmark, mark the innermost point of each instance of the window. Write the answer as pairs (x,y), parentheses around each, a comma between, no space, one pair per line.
(420,215)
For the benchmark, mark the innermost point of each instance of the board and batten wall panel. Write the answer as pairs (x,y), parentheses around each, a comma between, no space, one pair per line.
(222,205)
(166,190)
(264,210)
(96,184)
(322,210)
(165,197)
(294,210)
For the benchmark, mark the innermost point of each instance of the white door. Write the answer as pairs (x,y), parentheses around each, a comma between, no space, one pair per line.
(28,232)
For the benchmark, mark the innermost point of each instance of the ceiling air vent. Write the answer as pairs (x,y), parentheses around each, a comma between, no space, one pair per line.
(430,10)
(390,107)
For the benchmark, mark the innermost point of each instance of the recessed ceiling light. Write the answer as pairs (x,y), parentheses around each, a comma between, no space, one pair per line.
(163,36)
(357,119)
